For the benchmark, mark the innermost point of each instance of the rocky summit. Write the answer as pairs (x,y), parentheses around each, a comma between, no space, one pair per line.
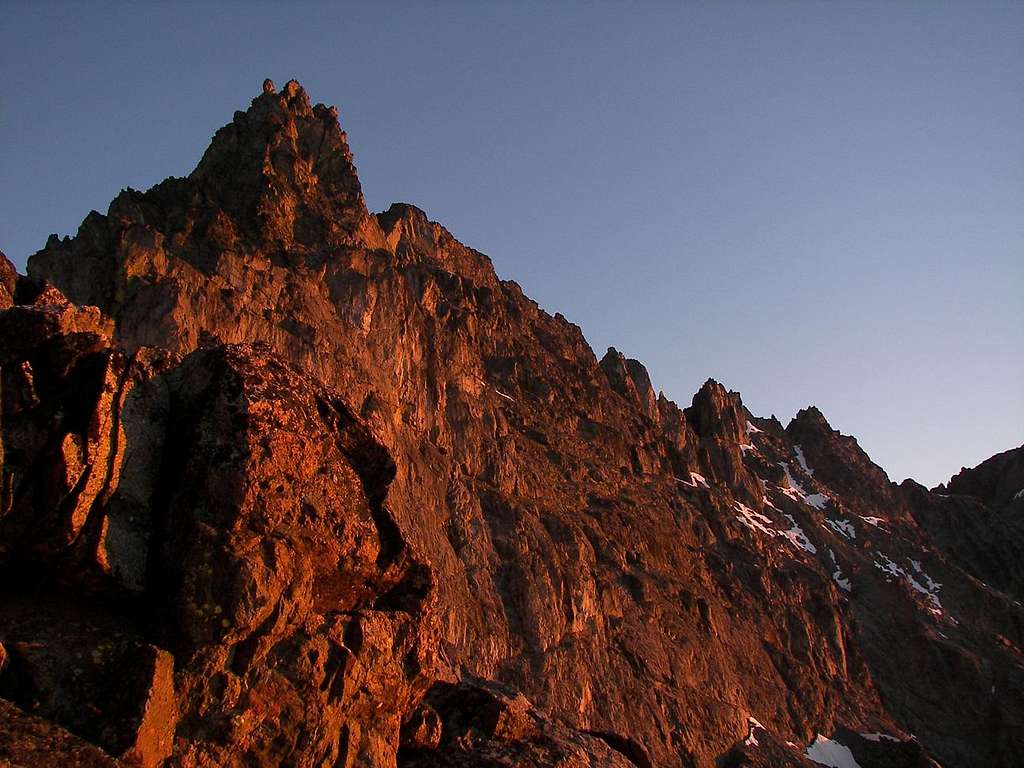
(288,483)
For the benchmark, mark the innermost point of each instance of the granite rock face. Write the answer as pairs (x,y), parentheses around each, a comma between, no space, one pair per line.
(241,593)
(8,281)
(337,495)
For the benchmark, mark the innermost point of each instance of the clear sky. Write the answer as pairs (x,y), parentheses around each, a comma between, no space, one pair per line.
(813,202)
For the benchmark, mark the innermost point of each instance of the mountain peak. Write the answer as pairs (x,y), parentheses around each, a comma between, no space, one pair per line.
(811,417)
(286,166)
(630,379)
(715,410)
(321,472)
(276,182)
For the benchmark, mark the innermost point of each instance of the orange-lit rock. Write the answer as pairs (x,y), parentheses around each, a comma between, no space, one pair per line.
(380,508)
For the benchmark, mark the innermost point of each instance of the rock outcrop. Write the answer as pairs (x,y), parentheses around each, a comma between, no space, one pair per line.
(335,494)
(997,482)
(8,281)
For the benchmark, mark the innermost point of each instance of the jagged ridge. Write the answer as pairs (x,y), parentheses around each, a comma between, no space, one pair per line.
(652,574)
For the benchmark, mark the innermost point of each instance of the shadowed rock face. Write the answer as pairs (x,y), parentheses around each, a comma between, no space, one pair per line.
(996,482)
(364,503)
(29,740)
(243,594)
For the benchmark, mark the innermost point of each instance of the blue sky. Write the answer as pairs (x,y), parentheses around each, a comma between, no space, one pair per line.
(811,202)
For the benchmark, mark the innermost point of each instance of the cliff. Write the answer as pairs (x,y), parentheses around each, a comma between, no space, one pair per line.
(287,483)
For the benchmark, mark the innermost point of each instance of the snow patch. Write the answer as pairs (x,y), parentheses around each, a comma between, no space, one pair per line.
(792,493)
(796,492)
(793,484)
(752,429)
(752,725)
(930,589)
(831,753)
(816,500)
(797,537)
(502,394)
(889,567)
(837,575)
(842,527)
(802,460)
(755,521)
(875,521)
(694,481)
(1019,494)
(878,737)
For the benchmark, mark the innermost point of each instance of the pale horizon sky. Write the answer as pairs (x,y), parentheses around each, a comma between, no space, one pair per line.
(814,203)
